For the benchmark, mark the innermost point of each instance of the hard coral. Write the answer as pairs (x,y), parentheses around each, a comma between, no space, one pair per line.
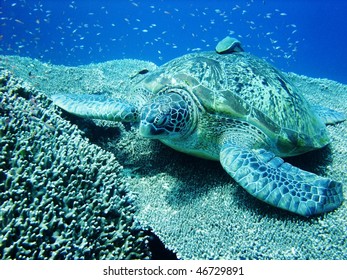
(60,196)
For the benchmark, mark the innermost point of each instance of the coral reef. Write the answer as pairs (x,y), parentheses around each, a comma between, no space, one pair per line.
(191,204)
(61,197)
(106,78)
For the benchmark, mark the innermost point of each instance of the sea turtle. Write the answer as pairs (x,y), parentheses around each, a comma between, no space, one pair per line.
(229,45)
(235,108)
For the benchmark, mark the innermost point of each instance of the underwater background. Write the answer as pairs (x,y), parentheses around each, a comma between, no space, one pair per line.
(83,189)
(303,36)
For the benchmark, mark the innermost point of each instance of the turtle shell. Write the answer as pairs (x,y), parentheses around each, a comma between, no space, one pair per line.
(244,87)
(229,45)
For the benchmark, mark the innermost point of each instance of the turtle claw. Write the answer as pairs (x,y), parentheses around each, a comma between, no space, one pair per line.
(280,184)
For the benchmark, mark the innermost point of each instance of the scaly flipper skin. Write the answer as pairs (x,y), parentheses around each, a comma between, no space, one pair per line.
(97,107)
(280,184)
(329,116)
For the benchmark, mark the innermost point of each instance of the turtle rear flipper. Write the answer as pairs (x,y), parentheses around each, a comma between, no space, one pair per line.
(328,115)
(97,107)
(280,184)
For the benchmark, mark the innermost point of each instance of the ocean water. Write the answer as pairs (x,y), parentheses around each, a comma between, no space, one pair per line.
(303,36)
(306,37)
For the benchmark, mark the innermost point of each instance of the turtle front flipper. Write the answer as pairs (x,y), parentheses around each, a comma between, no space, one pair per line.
(280,184)
(97,107)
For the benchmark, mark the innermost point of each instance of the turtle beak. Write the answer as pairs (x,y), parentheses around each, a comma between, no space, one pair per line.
(148,130)
(145,129)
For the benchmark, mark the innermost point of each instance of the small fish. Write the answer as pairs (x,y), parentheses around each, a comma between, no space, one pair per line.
(19,21)
(236,8)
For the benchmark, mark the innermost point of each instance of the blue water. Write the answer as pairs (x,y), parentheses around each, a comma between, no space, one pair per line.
(304,36)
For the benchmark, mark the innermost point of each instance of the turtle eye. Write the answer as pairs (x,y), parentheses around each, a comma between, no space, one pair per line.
(161,120)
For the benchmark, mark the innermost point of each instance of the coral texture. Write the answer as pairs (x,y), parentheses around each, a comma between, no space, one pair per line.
(61,197)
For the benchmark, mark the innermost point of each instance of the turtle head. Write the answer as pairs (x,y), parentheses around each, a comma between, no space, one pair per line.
(169,116)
